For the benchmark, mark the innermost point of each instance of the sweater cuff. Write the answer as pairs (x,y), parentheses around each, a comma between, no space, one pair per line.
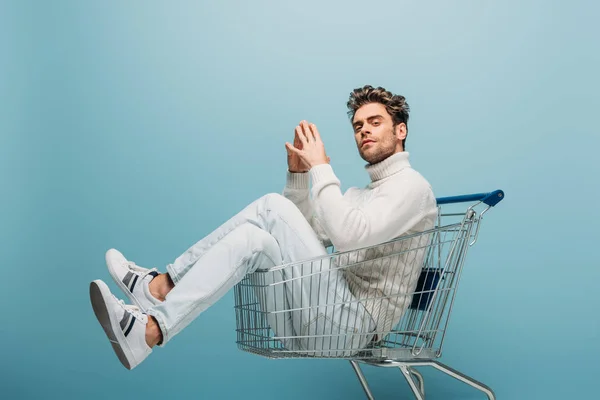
(321,173)
(297,180)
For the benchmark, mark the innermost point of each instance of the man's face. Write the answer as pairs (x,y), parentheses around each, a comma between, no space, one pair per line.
(375,135)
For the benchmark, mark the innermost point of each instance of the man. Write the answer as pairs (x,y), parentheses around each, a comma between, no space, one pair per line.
(277,230)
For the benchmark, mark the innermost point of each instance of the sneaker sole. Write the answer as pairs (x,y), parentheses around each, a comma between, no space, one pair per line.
(99,292)
(125,289)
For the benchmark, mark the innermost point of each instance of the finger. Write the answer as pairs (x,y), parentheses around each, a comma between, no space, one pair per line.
(297,142)
(315,132)
(301,135)
(307,131)
(291,149)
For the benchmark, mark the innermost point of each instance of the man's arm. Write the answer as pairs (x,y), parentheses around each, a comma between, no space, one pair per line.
(297,190)
(382,218)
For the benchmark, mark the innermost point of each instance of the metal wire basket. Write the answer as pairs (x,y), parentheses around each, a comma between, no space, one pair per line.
(296,310)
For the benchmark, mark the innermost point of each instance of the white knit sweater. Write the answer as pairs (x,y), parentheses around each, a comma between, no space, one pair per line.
(397,202)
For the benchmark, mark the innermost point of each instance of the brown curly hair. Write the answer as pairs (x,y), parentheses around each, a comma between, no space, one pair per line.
(395,105)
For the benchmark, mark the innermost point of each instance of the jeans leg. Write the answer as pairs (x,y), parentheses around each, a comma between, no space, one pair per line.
(272,213)
(271,231)
(243,250)
(268,232)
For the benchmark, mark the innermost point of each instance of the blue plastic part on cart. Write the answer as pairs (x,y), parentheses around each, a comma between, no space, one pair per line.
(491,198)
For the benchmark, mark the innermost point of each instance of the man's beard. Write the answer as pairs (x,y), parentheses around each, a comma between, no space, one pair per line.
(384,149)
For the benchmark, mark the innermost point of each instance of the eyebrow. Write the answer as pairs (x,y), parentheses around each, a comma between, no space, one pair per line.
(372,117)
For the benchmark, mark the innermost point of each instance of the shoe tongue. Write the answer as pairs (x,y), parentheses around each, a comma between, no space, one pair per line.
(150,275)
(131,307)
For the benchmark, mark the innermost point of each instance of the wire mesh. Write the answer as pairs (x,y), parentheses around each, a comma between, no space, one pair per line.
(391,301)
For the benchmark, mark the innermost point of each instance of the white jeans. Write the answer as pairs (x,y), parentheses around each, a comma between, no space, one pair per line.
(269,232)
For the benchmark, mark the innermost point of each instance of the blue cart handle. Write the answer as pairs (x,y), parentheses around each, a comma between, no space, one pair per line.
(491,198)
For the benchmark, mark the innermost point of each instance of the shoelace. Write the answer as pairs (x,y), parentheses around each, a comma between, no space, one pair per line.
(137,268)
(130,308)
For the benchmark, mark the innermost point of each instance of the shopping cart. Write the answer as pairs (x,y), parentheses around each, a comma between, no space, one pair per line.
(289,311)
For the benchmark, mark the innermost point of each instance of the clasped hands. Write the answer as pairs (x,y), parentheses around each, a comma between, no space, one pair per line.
(308,149)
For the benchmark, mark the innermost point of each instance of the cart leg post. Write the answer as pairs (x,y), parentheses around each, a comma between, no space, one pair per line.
(406,372)
(419,377)
(464,378)
(362,379)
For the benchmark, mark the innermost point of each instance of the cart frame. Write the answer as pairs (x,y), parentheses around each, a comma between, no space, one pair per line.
(417,337)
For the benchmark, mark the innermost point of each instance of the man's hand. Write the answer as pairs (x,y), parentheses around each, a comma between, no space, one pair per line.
(295,164)
(311,151)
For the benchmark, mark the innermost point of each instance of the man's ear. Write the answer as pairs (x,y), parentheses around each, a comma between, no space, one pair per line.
(401,131)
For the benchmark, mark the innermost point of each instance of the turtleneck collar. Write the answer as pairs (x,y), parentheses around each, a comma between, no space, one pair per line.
(391,165)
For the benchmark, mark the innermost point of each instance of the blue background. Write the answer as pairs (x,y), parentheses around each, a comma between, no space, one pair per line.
(143,126)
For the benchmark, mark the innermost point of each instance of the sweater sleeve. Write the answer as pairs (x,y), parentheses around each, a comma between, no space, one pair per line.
(297,190)
(386,215)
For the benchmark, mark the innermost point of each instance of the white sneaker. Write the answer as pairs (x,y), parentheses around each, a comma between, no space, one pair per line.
(124,325)
(132,279)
